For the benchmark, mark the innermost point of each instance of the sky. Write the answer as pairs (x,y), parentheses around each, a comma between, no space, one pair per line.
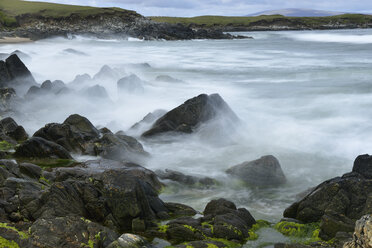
(222,7)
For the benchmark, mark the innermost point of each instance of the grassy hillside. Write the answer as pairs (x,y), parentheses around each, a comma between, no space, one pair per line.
(10,9)
(222,21)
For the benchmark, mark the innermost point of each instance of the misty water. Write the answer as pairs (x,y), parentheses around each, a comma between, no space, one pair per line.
(304,97)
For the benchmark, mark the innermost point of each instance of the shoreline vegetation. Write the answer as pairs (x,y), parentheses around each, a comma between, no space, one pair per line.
(37,20)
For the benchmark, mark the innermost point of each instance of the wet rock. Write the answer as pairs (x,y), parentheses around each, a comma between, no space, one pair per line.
(265,171)
(96,91)
(23,56)
(131,84)
(168,79)
(15,74)
(10,128)
(337,203)
(185,179)
(148,120)
(77,134)
(128,240)
(8,99)
(30,170)
(194,112)
(362,237)
(70,231)
(178,210)
(37,147)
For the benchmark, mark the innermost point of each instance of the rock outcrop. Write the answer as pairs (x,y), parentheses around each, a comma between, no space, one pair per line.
(191,114)
(78,135)
(10,128)
(362,237)
(265,172)
(339,202)
(13,73)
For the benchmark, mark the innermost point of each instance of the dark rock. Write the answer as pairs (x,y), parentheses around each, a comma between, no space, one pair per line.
(363,166)
(16,73)
(70,231)
(191,114)
(265,171)
(8,98)
(23,56)
(337,203)
(168,79)
(131,84)
(185,179)
(10,128)
(46,85)
(178,210)
(37,147)
(30,170)
(77,134)
(148,120)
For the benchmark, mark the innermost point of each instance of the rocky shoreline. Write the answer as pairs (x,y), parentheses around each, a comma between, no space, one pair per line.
(50,199)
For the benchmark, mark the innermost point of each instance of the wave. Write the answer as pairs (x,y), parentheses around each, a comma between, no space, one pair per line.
(335,38)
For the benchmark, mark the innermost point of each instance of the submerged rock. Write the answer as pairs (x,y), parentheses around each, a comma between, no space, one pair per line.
(168,79)
(265,171)
(339,202)
(131,84)
(194,112)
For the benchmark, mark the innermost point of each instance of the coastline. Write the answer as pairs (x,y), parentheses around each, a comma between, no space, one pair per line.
(13,40)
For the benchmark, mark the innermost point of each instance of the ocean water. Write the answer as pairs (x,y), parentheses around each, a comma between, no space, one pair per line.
(303,96)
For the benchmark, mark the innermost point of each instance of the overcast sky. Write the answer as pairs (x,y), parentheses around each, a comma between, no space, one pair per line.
(222,7)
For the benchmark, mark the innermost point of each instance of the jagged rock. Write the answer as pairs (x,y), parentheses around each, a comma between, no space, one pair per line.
(77,134)
(185,179)
(10,128)
(128,240)
(194,112)
(362,237)
(337,203)
(96,91)
(70,231)
(106,73)
(37,147)
(131,84)
(23,56)
(168,79)
(15,74)
(265,171)
(147,121)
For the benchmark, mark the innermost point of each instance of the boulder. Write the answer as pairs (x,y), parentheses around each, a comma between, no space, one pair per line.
(128,240)
(194,112)
(221,220)
(181,178)
(14,73)
(70,231)
(8,99)
(37,147)
(265,171)
(339,202)
(46,85)
(362,237)
(131,84)
(10,128)
(77,134)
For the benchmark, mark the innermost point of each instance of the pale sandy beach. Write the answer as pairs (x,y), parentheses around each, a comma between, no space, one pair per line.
(8,40)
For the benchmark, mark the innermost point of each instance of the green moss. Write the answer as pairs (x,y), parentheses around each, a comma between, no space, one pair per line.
(163,228)
(90,244)
(227,243)
(4,145)
(304,233)
(4,243)
(43,179)
(210,245)
(21,234)
(259,224)
(49,163)
(190,228)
